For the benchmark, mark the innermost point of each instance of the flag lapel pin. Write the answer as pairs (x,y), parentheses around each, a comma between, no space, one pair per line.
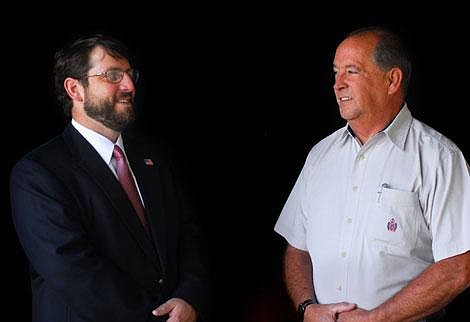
(149,162)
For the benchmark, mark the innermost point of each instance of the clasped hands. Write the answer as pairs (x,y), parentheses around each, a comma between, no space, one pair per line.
(337,312)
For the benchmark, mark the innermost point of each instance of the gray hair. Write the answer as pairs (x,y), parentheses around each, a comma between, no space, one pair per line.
(390,52)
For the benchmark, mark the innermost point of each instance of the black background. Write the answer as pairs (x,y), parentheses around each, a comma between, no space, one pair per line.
(238,94)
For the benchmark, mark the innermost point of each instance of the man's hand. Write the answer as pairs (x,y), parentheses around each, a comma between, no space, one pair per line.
(326,312)
(177,309)
(357,315)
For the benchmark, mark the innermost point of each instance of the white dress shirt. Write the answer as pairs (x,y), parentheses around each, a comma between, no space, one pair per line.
(105,148)
(374,216)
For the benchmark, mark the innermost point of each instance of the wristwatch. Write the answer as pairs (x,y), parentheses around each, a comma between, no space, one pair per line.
(302,307)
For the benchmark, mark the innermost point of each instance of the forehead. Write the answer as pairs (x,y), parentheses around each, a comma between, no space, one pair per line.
(356,50)
(102,60)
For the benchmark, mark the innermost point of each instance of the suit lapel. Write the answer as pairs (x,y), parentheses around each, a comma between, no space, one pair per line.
(147,174)
(90,162)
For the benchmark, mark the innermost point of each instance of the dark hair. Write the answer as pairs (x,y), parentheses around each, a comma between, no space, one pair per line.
(390,52)
(73,61)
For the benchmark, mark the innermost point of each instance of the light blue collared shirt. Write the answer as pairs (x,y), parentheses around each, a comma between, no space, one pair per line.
(375,216)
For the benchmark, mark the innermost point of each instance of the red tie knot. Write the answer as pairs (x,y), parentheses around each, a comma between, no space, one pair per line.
(117,153)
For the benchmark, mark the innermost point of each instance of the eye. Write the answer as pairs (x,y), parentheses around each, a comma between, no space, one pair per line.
(335,72)
(114,76)
(352,71)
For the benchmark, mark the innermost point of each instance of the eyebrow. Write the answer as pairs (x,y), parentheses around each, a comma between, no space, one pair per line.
(348,66)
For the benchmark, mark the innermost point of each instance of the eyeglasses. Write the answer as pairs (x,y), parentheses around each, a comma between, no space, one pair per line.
(115,76)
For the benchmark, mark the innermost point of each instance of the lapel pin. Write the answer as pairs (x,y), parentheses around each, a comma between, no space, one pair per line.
(148,162)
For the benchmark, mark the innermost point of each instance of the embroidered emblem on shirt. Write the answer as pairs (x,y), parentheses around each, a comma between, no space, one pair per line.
(392,225)
(148,162)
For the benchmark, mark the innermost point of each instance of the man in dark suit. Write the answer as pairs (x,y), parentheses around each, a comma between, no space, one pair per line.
(102,248)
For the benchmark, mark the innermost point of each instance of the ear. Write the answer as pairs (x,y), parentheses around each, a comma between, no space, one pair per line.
(74,89)
(395,80)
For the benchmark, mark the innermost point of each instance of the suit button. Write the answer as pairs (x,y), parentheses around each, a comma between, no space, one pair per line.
(160,282)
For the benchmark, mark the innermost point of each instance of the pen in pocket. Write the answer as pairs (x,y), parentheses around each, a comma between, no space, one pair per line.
(379,193)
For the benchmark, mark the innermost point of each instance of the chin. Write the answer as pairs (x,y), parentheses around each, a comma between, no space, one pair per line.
(343,113)
(126,106)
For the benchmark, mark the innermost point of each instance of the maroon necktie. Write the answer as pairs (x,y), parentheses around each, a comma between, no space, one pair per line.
(128,184)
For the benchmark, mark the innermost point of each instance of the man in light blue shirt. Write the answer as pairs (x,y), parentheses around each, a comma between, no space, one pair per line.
(378,222)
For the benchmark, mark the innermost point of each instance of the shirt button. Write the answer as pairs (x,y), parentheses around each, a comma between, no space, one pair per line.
(349,220)
(343,254)
(339,288)
(362,157)
(354,188)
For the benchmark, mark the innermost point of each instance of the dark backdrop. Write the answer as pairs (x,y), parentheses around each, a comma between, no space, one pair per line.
(238,95)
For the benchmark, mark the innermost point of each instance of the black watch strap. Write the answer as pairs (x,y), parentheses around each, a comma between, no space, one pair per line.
(302,307)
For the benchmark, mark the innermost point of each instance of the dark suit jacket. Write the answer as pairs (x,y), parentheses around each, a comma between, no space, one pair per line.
(90,257)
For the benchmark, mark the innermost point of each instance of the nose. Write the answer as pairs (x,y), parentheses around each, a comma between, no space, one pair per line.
(339,82)
(127,83)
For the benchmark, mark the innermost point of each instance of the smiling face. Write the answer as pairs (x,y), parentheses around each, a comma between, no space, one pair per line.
(111,104)
(360,87)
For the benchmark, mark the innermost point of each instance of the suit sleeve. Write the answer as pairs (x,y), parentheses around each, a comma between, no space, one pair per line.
(48,222)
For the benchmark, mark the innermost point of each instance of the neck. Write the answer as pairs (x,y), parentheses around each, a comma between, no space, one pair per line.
(96,126)
(364,129)
(364,133)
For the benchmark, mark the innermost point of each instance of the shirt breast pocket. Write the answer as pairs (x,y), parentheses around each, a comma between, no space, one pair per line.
(393,224)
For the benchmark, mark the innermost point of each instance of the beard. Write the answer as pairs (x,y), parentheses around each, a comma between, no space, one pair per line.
(104,111)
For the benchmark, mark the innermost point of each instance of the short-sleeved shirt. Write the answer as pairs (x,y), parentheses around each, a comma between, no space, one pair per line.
(374,216)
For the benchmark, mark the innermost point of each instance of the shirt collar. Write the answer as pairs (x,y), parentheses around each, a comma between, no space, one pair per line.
(396,131)
(100,143)
(346,133)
